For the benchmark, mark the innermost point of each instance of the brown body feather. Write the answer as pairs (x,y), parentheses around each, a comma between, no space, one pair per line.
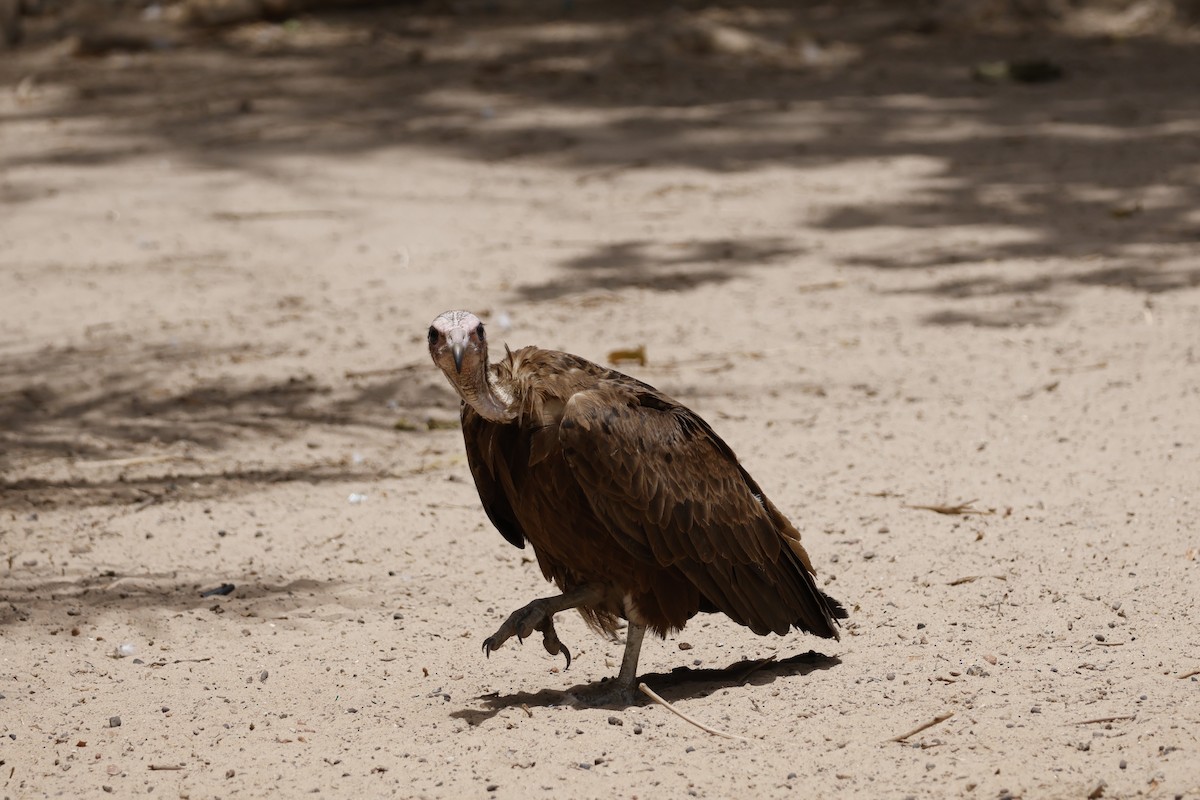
(612,482)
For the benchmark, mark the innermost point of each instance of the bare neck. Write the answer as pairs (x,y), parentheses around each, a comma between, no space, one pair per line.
(481,390)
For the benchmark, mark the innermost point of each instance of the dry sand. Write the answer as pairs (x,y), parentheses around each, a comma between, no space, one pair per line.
(886,285)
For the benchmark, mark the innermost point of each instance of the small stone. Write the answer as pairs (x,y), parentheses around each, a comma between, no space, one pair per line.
(262,676)
(1099,637)
(689,749)
(229,773)
(891,676)
(685,646)
(165,709)
(491,787)
(791,776)
(929,766)
(1035,710)
(106,789)
(991,659)
(637,730)
(114,722)
(584,765)
(616,721)
(920,626)
(397,615)
(1122,764)
(867,556)
(351,710)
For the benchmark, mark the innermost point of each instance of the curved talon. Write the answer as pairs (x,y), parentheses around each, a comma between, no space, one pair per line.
(566,653)
(487,647)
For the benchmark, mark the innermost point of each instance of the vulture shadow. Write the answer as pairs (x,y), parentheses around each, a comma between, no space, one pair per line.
(681,683)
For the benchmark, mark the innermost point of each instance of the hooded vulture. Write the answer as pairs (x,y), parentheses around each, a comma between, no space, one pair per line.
(634,507)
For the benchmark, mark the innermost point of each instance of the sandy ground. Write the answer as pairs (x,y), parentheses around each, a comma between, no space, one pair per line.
(887,286)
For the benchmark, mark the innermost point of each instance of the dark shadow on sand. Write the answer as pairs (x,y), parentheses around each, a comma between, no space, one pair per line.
(681,683)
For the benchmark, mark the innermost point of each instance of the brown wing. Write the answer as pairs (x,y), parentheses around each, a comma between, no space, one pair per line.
(666,485)
(482,441)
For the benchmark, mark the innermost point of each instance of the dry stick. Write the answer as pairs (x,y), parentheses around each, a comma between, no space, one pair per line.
(646,690)
(1105,719)
(961,509)
(970,578)
(755,667)
(940,718)
(166,766)
(134,461)
(819,287)
(1190,674)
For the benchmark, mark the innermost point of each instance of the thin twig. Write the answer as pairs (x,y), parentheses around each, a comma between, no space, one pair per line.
(960,509)
(375,373)
(970,578)
(157,767)
(135,461)
(940,718)
(646,690)
(755,667)
(818,287)
(292,213)
(1106,719)
(1190,674)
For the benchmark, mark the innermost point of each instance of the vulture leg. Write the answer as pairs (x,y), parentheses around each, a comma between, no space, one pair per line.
(539,616)
(622,690)
(627,678)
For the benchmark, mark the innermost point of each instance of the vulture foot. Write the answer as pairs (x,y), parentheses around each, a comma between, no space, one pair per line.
(622,690)
(537,616)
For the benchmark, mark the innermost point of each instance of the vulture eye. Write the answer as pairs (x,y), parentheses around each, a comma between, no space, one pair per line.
(479,332)
(433,335)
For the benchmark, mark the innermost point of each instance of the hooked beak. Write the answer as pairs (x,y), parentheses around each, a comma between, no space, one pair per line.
(457,349)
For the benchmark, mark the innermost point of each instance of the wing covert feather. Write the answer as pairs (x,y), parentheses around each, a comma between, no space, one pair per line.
(658,471)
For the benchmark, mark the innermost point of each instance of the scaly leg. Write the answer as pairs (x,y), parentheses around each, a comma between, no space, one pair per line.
(539,616)
(627,678)
(623,689)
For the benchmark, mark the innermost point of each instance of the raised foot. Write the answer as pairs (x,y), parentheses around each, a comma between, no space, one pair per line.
(537,616)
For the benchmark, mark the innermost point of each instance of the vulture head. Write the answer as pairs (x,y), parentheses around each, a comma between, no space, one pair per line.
(457,342)
(458,345)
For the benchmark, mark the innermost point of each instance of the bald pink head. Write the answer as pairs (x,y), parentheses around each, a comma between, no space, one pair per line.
(457,338)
